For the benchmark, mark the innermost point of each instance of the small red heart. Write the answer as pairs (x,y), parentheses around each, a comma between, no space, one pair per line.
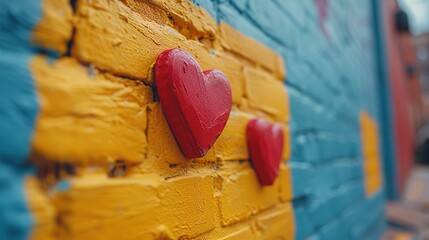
(196,104)
(265,144)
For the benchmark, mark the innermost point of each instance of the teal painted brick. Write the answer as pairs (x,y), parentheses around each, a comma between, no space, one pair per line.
(296,12)
(241,5)
(15,218)
(301,177)
(333,230)
(328,204)
(306,226)
(272,21)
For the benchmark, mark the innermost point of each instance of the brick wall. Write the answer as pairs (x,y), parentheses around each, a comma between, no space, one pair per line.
(105,164)
(328,47)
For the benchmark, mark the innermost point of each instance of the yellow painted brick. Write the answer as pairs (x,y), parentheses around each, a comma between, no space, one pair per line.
(370,150)
(253,50)
(162,147)
(373,184)
(229,233)
(245,233)
(88,119)
(42,210)
(286,144)
(232,143)
(266,94)
(55,28)
(191,20)
(128,45)
(184,16)
(242,195)
(372,166)
(374,180)
(277,223)
(285,182)
(136,207)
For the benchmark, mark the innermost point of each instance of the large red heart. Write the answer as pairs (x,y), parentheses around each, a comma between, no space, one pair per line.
(265,144)
(196,104)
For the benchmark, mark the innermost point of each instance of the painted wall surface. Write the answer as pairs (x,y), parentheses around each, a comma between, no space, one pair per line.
(103,161)
(329,50)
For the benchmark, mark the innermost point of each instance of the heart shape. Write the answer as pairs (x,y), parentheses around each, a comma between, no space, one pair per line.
(196,104)
(265,144)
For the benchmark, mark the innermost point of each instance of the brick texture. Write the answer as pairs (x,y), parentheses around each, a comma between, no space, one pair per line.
(108,166)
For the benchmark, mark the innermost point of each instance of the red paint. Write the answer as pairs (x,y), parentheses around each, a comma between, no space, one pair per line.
(265,144)
(196,104)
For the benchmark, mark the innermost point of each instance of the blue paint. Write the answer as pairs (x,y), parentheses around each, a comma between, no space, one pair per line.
(15,219)
(62,186)
(18,113)
(306,226)
(18,106)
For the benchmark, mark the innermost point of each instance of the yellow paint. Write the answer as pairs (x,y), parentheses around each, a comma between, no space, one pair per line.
(277,223)
(55,28)
(285,177)
(188,19)
(43,210)
(371,155)
(88,119)
(266,95)
(241,195)
(232,143)
(136,207)
(97,107)
(273,223)
(140,43)
(244,233)
(162,145)
(286,143)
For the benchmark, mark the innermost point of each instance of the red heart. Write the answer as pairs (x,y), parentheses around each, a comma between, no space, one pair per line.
(196,104)
(265,144)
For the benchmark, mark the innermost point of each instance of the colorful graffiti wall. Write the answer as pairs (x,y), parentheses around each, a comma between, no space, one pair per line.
(87,152)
